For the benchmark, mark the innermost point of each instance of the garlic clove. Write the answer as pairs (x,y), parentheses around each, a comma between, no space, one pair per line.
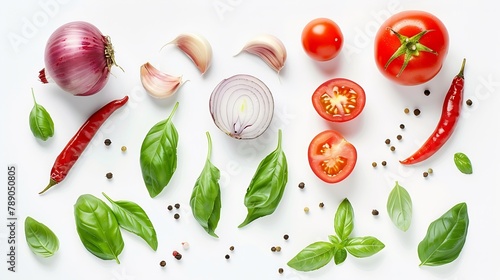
(197,48)
(269,48)
(157,83)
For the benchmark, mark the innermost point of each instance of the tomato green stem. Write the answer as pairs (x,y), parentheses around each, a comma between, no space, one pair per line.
(409,47)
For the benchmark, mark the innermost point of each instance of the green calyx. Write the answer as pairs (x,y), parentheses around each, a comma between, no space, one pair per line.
(410,47)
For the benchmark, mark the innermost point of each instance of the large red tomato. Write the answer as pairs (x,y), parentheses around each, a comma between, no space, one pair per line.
(410,47)
(331,157)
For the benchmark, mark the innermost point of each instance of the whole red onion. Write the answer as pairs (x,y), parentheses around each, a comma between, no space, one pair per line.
(78,58)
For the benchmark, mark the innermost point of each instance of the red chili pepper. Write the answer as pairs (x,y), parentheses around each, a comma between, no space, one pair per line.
(75,147)
(446,125)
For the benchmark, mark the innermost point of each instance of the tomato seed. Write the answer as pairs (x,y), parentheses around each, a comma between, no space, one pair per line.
(375,212)
(416,112)
(280,270)
(301,185)
(124,148)
(427,92)
(163,263)
(306,209)
(430,170)
(286,236)
(109,175)
(468,102)
(278,249)
(107,142)
(177,216)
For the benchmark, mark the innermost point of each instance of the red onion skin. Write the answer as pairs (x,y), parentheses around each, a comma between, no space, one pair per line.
(78,58)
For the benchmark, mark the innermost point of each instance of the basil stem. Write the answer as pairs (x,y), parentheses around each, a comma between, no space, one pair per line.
(344,220)
(463,163)
(206,196)
(131,217)
(41,240)
(267,185)
(98,228)
(158,157)
(399,207)
(41,123)
(445,237)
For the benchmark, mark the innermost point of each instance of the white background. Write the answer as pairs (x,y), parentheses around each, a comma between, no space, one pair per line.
(139,29)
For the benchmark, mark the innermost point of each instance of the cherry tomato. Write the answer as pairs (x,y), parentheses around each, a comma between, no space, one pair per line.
(322,39)
(331,157)
(410,47)
(339,100)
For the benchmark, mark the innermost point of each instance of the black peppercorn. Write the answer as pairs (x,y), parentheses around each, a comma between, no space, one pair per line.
(227,257)
(286,236)
(177,206)
(170,208)
(375,212)
(425,174)
(384,163)
(388,141)
(109,175)
(427,92)
(399,137)
(321,205)
(177,216)
(231,248)
(402,126)
(468,102)
(280,270)
(273,249)
(393,148)
(107,142)
(302,185)
(163,263)
(416,112)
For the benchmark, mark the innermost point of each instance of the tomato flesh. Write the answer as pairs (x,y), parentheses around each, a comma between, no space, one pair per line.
(339,100)
(331,157)
(322,39)
(406,61)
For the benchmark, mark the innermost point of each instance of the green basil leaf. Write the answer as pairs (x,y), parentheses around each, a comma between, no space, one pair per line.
(362,247)
(131,217)
(41,123)
(463,163)
(335,240)
(340,256)
(313,257)
(344,220)
(41,240)
(267,185)
(98,228)
(445,237)
(399,207)
(206,196)
(159,155)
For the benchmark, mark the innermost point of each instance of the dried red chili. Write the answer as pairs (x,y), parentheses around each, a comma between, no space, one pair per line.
(75,147)
(446,125)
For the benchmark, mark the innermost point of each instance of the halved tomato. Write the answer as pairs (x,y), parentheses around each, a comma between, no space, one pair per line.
(331,157)
(339,100)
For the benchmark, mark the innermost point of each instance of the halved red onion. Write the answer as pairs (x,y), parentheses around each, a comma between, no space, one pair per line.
(242,106)
(78,58)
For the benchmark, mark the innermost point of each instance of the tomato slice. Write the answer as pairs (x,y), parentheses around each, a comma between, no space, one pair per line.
(331,157)
(339,100)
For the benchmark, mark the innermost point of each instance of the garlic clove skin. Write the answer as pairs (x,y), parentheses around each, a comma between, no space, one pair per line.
(269,48)
(159,84)
(197,48)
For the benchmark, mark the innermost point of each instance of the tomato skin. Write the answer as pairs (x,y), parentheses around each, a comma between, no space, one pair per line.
(339,94)
(331,157)
(322,39)
(422,67)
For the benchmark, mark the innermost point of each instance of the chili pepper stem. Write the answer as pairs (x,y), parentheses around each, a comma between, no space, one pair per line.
(52,182)
(461,73)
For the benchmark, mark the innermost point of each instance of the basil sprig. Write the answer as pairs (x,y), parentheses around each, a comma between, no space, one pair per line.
(41,123)
(41,240)
(267,186)
(445,237)
(131,217)
(463,163)
(206,196)
(400,207)
(320,253)
(98,228)
(158,157)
